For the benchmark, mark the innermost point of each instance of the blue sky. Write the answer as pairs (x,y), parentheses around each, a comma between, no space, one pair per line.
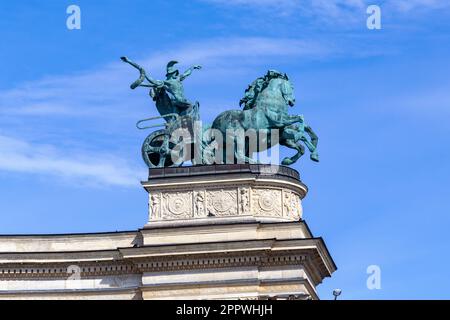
(378,99)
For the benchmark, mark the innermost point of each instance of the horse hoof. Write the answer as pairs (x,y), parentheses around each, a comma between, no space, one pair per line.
(287,162)
(315,157)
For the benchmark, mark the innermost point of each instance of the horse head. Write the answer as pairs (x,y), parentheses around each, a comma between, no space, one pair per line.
(279,85)
(287,89)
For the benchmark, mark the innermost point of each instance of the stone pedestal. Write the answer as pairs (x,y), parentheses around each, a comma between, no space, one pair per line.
(209,193)
(214,232)
(240,231)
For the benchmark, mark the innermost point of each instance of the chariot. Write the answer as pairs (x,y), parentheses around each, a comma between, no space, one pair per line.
(158,149)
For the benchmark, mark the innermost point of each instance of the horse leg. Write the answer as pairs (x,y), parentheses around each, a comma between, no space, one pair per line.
(295,134)
(312,135)
(291,143)
(289,137)
(312,145)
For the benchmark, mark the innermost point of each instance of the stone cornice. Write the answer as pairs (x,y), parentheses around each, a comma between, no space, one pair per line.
(257,253)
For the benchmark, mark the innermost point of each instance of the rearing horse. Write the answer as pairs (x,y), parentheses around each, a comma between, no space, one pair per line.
(266,108)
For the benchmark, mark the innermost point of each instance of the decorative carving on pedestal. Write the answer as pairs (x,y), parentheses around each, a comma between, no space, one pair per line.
(155,206)
(178,205)
(267,202)
(238,201)
(222,202)
(200,204)
(177,196)
(244,201)
(292,205)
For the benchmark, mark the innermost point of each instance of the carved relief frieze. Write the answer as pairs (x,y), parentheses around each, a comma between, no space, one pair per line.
(267,202)
(234,200)
(155,206)
(178,205)
(291,205)
(222,202)
(200,204)
(244,201)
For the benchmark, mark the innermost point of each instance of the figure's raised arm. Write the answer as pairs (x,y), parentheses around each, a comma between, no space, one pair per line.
(188,72)
(143,76)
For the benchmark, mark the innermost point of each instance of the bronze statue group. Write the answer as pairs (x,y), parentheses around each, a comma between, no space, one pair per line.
(235,135)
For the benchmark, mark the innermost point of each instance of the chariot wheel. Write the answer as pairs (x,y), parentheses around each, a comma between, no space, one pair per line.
(156,150)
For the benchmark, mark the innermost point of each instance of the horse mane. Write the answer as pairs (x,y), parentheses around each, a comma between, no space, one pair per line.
(258,86)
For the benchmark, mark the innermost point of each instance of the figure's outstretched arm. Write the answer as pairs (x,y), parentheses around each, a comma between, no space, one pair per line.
(153,82)
(188,72)
(151,85)
(143,76)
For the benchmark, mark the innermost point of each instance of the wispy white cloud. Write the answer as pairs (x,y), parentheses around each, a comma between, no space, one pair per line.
(331,11)
(103,93)
(88,93)
(218,54)
(281,6)
(408,5)
(328,8)
(17,155)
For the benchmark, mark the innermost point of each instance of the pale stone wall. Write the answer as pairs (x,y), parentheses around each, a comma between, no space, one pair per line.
(58,243)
